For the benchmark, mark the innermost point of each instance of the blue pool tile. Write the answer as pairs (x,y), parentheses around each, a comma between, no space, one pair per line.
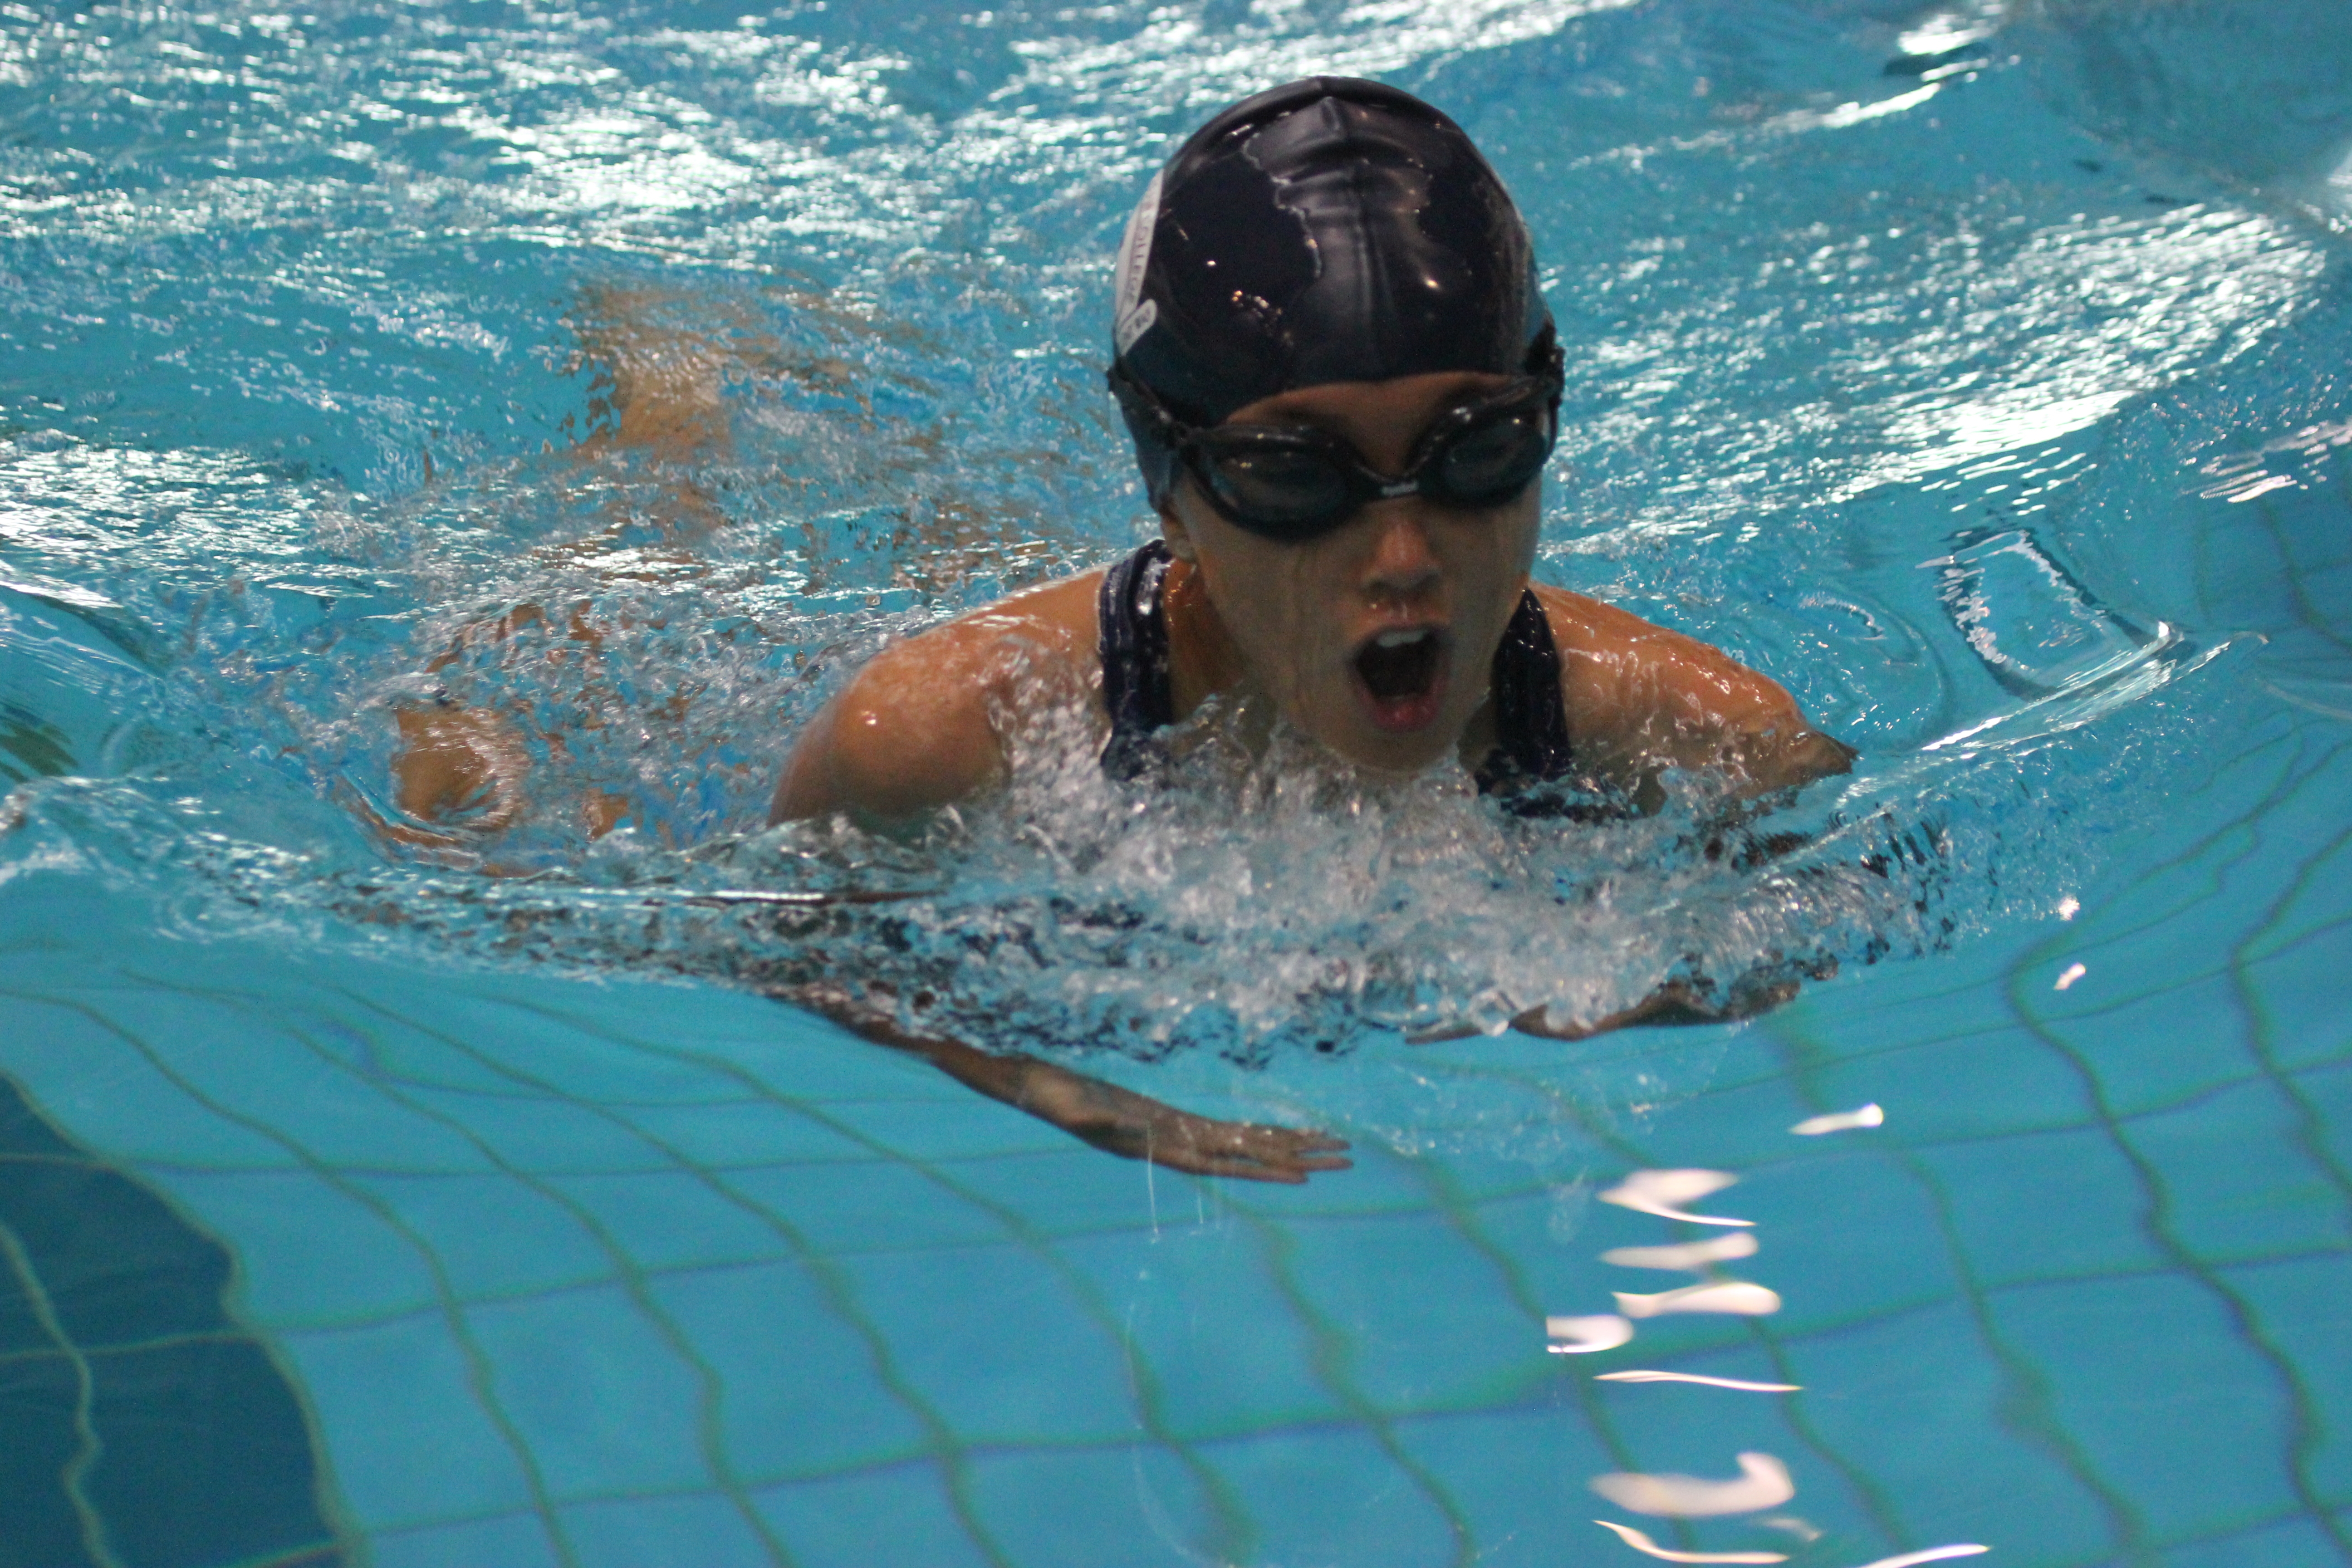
(1000,1346)
(2328,1091)
(745,1132)
(2112,1042)
(517,1046)
(42,1395)
(2151,1379)
(1421,1318)
(958,1126)
(1920,1415)
(411,1441)
(386,1049)
(1388,1176)
(804,1392)
(2043,1205)
(1334,1496)
(509,1540)
(605,1402)
(1073,1190)
(737,1037)
(699,1532)
(2287,1543)
(2226,1202)
(232,1056)
(1204,1319)
(1139,1507)
(798,1056)
(119,1102)
(2002,1080)
(2300,1307)
(1543,1236)
(1744,1127)
(1465,1180)
(2300,997)
(283,1222)
(1667,1427)
(493,1234)
(1518,1477)
(846,1208)
(536,1133)
(900,1515)
(1823,1230)
(672,1219)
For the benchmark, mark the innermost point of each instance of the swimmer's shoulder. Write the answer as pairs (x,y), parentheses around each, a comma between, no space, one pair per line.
(917,727)
(1635,690)
(1611,657)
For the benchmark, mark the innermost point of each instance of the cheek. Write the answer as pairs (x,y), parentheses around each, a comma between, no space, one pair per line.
(1276,604)
(1261,595)
(1498,553)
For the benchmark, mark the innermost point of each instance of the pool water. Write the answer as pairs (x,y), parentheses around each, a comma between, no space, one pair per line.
(1977,371)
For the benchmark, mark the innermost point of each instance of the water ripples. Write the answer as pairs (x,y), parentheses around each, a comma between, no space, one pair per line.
(318,326)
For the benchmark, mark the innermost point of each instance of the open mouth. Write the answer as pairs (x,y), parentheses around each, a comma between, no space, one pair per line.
(1400,674)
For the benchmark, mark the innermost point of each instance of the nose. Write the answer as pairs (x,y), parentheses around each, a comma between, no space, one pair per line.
(1403,566)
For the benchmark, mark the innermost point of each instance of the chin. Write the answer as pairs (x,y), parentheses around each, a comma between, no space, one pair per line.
(1390,752)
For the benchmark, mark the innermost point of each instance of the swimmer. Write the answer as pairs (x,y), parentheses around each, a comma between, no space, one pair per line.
(1343,384)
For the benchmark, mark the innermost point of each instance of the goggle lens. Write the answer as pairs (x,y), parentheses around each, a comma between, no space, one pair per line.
(1493,461)
(1277,491)
(1297,484)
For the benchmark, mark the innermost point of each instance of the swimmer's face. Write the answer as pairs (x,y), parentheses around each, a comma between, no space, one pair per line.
(1377,638)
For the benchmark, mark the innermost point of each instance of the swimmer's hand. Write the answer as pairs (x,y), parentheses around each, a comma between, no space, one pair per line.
(1123,1123)
(1115,1120)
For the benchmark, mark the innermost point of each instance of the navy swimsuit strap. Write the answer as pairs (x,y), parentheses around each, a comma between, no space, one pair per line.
(1132,637)
(1531,720)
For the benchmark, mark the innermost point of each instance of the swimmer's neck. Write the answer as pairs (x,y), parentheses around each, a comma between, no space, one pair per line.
(1204,661)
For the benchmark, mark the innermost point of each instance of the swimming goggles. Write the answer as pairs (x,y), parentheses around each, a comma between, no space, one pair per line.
(1293,483)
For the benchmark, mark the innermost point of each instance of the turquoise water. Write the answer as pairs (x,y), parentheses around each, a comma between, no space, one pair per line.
(1977,373)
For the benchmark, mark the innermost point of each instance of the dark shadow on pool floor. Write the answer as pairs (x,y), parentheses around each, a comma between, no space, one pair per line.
(139,1424)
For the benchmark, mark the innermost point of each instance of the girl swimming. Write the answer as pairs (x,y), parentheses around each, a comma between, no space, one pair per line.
(1342,383)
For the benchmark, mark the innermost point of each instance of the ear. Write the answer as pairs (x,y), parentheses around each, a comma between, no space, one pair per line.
(1176,536)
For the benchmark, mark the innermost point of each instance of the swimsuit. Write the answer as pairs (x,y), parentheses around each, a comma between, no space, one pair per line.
(1531,720)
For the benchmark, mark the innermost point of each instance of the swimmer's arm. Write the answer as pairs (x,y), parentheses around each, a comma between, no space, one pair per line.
(911,733)
(1641,698)
(918,728)
(1675,1004)
(1116,1120)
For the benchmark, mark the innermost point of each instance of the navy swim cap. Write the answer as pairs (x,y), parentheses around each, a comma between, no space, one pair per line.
(1329,230)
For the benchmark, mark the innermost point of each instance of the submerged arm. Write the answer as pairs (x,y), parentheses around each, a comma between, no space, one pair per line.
(1112,1118)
